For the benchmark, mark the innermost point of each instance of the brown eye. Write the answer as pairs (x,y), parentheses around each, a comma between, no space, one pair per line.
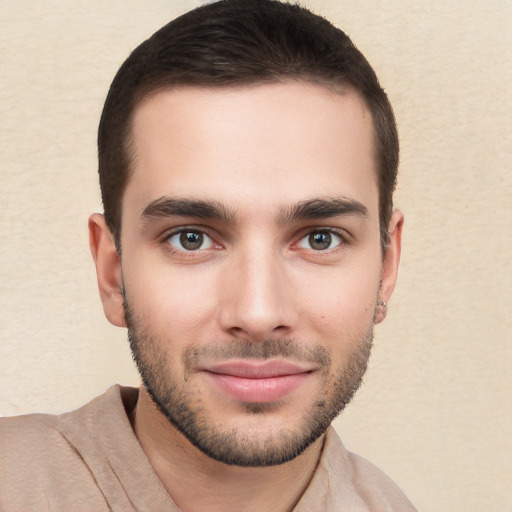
(321,240)
(190,240)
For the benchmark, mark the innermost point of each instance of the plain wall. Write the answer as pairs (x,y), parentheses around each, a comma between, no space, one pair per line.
(435,411)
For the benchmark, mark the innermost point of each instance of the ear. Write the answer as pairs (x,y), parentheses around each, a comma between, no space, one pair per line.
(390,265)
(108,269)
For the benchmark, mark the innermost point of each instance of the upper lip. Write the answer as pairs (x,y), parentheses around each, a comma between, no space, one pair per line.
(255,369)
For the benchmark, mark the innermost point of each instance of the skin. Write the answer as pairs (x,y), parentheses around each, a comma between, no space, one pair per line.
(258,152)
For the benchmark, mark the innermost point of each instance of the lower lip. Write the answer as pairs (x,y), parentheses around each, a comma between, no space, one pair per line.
(264,390)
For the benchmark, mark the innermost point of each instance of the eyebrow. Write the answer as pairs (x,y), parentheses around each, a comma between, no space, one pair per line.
(173,207)
(322,209)
(204,209)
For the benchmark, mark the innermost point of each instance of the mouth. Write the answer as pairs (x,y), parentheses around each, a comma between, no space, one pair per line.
(257,381)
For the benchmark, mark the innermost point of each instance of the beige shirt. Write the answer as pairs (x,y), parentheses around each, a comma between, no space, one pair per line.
(90,460)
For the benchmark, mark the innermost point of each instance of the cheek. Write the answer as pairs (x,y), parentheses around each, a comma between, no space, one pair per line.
(170,300)
(343,307)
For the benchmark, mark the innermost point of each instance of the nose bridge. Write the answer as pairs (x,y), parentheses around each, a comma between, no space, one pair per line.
(257,300)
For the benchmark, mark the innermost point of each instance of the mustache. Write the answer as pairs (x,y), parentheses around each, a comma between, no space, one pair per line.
(286,348)
(267,349)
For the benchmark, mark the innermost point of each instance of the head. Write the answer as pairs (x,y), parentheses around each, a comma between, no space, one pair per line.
(236,43)
(247,161)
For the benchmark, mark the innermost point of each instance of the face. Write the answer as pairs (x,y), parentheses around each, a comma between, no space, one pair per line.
(251,263)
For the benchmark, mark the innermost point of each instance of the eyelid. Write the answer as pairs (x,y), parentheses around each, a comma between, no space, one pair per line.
(343,235)
(184,227)
(207,232)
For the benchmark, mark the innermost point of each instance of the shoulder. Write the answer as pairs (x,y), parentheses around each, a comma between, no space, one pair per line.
(36,459)
(346,481)
(44,437)
(29,439)
(44,456)
(376,488)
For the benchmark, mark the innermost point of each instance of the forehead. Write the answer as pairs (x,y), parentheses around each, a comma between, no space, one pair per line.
(264,145)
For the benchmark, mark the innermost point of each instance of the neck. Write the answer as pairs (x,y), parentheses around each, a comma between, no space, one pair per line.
(196,482)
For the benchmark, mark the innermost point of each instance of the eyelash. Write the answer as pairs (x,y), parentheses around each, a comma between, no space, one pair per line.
(339,233)
(188,229)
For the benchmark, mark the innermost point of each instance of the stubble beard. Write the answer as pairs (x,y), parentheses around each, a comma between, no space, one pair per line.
(186,412)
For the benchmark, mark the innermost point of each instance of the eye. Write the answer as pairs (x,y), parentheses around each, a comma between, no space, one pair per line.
(190,240)
(321,240)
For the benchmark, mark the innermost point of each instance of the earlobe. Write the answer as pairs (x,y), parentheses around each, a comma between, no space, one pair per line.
(108,269)
(390,265)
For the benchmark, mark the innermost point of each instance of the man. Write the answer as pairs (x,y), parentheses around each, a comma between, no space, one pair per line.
(247,160)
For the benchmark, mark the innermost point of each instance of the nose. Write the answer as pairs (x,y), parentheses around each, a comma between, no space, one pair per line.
(256,300)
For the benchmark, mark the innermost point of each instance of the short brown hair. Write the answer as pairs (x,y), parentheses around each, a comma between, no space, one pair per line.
(234,43)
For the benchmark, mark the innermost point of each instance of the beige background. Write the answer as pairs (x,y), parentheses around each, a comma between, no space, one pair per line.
(435,412)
